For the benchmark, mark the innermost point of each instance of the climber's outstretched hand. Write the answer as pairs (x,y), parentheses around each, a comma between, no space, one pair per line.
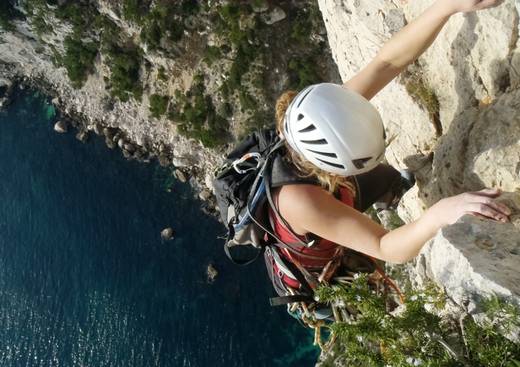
(479,203)
(465,6)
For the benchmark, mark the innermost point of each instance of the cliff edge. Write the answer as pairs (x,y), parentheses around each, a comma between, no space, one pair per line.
(455,122)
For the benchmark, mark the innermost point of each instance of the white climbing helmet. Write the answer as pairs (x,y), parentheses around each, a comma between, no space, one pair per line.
(336,129)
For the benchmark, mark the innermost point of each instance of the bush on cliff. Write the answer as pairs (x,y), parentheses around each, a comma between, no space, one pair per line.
(135,10)
(197,118)
(125,65)
(7,14)
(78,59)
(158,105)
(413,335)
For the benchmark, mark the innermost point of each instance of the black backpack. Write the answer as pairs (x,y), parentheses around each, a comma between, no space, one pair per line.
(243,189)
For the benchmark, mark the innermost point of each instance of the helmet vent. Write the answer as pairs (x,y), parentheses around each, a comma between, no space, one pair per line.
(315,142)
(325,154)
(303,97)
(300,117)
(360,163)
(332,164)
(311,127)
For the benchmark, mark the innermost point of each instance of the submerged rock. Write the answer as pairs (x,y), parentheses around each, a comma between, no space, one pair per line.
(82,136)
(167,234)
(6,88)
(211,273)
(61,127)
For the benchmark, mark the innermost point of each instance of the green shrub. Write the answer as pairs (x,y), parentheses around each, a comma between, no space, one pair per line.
(161,74)
(7,14)
(246,101)
(190,7)
(136,10)
(151,34)
(82,16)
(197,117)
(158,105)
(161,21)
(109,33)
(375,337)
(124,73)
(37,10)
(303,72)
(78,59)
(212,54)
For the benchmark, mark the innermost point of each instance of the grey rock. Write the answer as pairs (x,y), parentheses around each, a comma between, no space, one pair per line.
(211,273)
(98,129)
(126,154)
(130,147)
(121,143)
(274,16)
(475,258)
(204,195)
(109,132)
(5,86)
(182,162)
(181,176)
(167,234)
(61,127)
(139,155)
(82,136)
(164,160)
(110,143)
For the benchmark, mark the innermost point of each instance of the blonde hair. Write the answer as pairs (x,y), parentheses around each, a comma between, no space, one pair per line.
(305,168)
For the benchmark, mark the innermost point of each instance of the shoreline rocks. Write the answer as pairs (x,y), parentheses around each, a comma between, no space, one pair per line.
(6,89)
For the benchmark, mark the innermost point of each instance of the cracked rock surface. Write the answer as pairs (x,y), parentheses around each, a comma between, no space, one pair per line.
(467,140)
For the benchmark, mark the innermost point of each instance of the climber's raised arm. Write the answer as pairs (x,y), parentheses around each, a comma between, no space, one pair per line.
(409,43)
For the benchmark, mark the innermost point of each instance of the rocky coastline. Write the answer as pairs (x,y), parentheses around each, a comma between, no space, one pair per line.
(70,121)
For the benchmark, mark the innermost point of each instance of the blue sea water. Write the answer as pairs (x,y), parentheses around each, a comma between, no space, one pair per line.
(85,279)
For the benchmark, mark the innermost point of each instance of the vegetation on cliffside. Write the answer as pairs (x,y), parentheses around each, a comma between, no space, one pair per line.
(418,333)
(7,14)
(211,68)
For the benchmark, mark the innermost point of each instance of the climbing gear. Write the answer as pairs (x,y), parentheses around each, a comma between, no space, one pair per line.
(243,191)
(336,129)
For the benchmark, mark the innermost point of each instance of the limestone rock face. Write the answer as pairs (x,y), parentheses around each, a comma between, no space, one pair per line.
(475,257)
(464,138)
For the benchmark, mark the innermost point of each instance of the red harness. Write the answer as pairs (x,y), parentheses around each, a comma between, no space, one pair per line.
(313,258)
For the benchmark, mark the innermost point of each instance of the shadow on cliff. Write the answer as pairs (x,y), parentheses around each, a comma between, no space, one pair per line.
(447,172)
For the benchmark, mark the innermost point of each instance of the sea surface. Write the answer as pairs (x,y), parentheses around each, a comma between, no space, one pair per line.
(85,279)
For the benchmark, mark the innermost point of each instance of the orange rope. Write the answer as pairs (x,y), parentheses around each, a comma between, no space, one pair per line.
(388,280)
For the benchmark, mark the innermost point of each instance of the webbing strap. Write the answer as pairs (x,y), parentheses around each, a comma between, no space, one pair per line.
(242,262)
(284,300)
(300,277)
